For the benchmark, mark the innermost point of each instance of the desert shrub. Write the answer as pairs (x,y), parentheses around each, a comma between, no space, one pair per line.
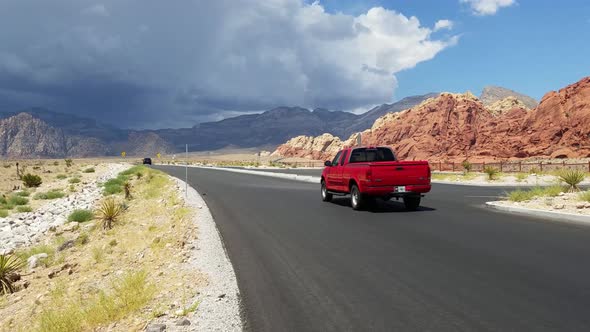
(9,265)
(139,175)
(89,170)
(23,193)
(492,172)
(52,194)
(113,242)
(127,188)
(584,196)
(3,213)
(24,208)
(82,239)
(109,212)
(467,166)
(81,215)
(17,200)
(61,176)
(31,180)
(72,188)
(97,254)
(520,195)
(69,162)
(572,177)
(521,177)
(74,180)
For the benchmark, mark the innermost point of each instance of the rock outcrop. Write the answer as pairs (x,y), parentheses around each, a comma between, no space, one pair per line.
(310,147)
(459,126)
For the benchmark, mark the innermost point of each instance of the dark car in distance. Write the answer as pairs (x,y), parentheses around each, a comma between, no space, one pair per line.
(147,161)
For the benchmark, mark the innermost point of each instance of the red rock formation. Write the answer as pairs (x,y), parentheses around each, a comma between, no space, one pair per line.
(456,127)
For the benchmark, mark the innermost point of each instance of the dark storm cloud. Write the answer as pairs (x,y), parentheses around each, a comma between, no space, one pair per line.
(147,63)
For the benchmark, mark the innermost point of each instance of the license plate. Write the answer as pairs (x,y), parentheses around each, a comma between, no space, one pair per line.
(400,189)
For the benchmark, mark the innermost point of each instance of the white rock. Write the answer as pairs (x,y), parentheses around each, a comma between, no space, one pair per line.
(33,261)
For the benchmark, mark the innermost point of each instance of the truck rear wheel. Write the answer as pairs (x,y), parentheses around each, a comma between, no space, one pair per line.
(326,196)
(356,199)
(412,202)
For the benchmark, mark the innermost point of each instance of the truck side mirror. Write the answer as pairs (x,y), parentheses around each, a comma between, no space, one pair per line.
(328,163)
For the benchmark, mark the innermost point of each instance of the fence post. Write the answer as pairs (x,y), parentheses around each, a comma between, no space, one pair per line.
(440,166)
(501,168)
(541,166)
(520,167)
(453,166)
(589,166)
(483,166)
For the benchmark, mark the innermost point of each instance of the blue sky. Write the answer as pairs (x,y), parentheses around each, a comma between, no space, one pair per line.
(533,46)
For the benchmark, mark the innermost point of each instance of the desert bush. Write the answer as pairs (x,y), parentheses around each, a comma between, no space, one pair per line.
(584,196)
(89,170)
(31,180)
(24,208)
(97,254)
(82,239)
(109,212)
(23,193)
(521,177)
(492,172)
(572,177)
(9,265)
(127,188)
(467,166)
(139,175)
(69,162)
(61,176)
(74,180)
(56,163)
(52,194)
(521,195)
(17,200)
(3,213)
(81,215)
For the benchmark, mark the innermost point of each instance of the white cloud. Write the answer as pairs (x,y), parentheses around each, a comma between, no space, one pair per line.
(193,60)
(488,7)
(97,10)
(443,24)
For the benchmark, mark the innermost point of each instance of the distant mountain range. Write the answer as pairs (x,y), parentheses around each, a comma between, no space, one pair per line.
(40,133)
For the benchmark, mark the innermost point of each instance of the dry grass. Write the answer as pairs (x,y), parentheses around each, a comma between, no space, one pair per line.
(127,283)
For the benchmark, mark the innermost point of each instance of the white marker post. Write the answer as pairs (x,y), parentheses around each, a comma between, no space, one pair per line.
(186,174)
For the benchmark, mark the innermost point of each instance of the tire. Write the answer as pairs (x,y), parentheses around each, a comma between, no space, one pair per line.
(326,196)
(356,198)
(412,202)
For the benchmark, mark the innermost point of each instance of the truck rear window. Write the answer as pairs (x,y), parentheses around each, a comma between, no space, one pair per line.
(363,155)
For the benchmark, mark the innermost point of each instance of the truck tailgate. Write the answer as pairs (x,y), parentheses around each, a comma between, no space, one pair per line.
(399,173)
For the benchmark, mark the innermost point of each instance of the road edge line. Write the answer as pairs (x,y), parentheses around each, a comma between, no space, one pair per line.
(295,177)
(559,216)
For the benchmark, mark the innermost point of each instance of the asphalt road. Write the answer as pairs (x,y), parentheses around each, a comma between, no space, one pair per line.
(306,265)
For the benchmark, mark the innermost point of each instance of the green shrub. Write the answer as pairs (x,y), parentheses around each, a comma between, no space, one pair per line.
(520,195)
(74,180)
(82,239)
(584,196)
(3,213)
(61,176)
(527,195)
(52,194)
(492,172)
(17,200)
(23,193)
(521,177)
(9,265)
(69,162)
(572,177)
(467,166)
(127,188)
(24,208)
(89,170)
(31,180)
(81,216)
(109,212)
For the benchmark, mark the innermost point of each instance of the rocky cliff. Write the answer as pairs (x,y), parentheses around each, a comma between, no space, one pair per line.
(460,126)
(492,94)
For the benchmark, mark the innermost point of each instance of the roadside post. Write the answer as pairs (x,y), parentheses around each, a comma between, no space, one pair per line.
(186,174)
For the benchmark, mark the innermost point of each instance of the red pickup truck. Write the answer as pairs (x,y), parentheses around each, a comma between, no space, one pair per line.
(366,173)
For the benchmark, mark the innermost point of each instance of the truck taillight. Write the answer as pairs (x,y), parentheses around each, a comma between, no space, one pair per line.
(369,174)
(429,173)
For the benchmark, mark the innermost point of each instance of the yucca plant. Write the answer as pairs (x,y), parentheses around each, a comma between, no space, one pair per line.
(492,172)
(127,188)
(9,265)
(572,177)
(109,212)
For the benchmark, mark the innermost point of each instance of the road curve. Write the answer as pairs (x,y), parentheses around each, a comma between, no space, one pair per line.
(305,265)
